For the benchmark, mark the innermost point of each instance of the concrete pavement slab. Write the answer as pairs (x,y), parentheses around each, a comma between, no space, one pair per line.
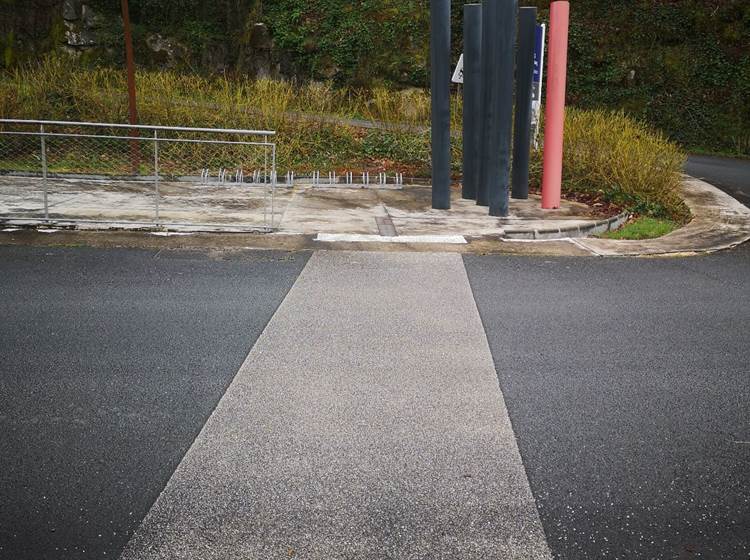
(366,422)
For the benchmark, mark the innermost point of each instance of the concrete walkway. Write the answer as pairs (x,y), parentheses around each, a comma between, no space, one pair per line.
(353,219)
(366,422)
(301,210)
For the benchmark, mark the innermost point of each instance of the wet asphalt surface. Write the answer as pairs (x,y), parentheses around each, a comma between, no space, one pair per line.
(110,364)
(628,385)
(730,175)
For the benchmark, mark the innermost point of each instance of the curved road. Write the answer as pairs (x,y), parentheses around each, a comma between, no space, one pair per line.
(730,175)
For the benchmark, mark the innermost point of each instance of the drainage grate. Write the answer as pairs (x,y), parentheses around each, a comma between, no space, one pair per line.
(385,226)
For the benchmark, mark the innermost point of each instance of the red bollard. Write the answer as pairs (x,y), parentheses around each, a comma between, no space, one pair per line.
(554,113)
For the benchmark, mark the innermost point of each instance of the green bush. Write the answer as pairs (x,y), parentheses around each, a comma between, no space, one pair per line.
(622,160)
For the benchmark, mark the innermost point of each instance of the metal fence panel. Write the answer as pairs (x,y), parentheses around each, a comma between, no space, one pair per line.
(67,172)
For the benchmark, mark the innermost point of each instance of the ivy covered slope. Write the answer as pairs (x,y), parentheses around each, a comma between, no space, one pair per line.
(683,66)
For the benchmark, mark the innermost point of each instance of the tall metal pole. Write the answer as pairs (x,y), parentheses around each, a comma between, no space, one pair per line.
(472,99)
(135,154)
(45,186)
(554,114)
(440,58)
(489,30)
(524,93)
(498,50)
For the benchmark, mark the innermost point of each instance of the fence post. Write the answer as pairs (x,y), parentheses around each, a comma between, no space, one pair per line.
(273,182)
(265,155)
(156,173)
(44,172)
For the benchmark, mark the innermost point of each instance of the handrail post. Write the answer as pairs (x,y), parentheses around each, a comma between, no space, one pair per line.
(265,186)
(44,172)
(273,183)
(156,174)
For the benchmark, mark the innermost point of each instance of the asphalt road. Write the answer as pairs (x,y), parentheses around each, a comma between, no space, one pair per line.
(730,175)
(110,364)
(628,386)
(627,382)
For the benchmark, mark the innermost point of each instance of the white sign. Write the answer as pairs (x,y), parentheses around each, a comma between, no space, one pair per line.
(536,104)
(458,75)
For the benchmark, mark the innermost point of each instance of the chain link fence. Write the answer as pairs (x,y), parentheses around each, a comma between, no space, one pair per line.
(67,172)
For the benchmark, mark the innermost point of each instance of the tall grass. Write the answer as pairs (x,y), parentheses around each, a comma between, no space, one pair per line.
(57,89)
(606,153)
(623,160)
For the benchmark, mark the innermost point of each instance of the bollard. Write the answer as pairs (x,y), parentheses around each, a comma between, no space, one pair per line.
(472,100)
(524,94)
(498,45)
(554,114)
(440,69)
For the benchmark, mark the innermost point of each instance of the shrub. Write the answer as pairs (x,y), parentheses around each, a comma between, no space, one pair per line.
(624,161)
(607,153)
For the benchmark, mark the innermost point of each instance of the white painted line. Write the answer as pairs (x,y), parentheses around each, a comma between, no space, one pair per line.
(364,238)
(9,230)
(48,230)
(581,245)
(170,233)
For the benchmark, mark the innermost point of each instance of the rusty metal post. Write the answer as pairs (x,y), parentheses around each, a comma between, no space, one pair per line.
(135,151)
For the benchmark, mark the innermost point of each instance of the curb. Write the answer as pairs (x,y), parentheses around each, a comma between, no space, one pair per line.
(596,228)
(719,222)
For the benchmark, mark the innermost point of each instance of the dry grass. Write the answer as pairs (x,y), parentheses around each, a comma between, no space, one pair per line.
(304,115)
(607,153)
(624,161)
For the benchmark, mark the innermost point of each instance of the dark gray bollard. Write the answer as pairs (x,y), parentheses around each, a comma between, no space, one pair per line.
(472,99)
(498,176)
(524,85)
(498,50)
(487,82)
(440,57)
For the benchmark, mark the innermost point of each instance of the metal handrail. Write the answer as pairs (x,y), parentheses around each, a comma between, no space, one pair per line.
(141,127)
(44,134)
(145,138)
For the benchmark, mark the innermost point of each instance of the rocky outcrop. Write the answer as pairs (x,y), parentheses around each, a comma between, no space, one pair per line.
(256,58)
(81,25)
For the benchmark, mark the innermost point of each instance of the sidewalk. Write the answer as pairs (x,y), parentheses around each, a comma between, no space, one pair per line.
(300,210)
(315,217)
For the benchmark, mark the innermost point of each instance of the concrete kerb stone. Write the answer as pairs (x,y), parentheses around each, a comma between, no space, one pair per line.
(573,231)
(719,222)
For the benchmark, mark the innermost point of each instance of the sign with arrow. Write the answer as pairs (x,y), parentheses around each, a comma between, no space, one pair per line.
(458,75)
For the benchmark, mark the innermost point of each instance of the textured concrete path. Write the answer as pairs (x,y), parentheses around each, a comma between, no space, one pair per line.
(366,422)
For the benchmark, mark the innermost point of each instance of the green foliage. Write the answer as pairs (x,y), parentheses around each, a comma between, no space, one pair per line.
(609,154)
(622,160)
(683,67)
(7,46)
(354,43)
(642,228)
